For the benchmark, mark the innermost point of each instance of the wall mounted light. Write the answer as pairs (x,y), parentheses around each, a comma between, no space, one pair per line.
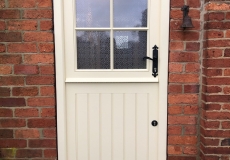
(187,22)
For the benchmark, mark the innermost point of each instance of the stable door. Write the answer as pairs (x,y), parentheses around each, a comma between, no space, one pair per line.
(114,80)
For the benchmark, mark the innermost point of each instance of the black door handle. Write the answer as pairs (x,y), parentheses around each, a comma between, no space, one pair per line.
(155,61)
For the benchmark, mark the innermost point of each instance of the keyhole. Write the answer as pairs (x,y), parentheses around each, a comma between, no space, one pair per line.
(154,123)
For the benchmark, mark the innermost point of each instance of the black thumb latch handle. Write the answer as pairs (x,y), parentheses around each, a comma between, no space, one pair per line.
(155,61)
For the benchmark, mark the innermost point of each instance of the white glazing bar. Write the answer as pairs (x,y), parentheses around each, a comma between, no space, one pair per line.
(111,36)
(118,29)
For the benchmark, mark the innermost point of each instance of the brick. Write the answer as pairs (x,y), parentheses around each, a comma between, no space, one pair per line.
(12,143)
(46,25)
(213,89)
(219,16)
(213,53)
(225,125)
(48,112)
(5,69)
(226,90)
(227,72)
(41,101)
(184,78)
(219,63)
(10,59)
(212,107)
(4,91)
(190,150)
(38,37)
(194,3)
(182,120)
(190,130)
(10,37)
(26,112)
(26,69)
(28,153)
(22,3)
(214,34)
(210,124)
(217,7)
(176,14)
(226,107)
(174,110)
(44,3)
(2,48)
(183,99)
(217,115)
(12,123)
(46,47)
(225,142)
(227,52)
(25,91)
(12,102)
(176,25)
(217,98)
(9,14)
(22,48)
(218,43)
(49,133)
(184,36)
(39,143)
(182,140)
(11,80)
(2,25)
(50,153)
(2,4)
(191,109)
(39,58)
(227,15)
(176,46)
(181,158)
(27,133)
(192,46)
(41,123)
(175,88)
(184,57)
(174,150)
(38,14)
(6,133)
(192,67)
(33,80)
(7,152)
(209,141)
(219,150)
(218,81)
(6,112)
(47,91)
(191,88)
(26,25)
(177,3)
(227,34)
(47,69)
(211,72)
(174,130)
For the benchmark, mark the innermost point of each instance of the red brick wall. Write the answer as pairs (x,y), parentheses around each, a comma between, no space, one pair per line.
(184,82)
(27,101)
(215,117)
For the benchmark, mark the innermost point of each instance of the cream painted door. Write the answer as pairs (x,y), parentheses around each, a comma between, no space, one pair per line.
(110,95)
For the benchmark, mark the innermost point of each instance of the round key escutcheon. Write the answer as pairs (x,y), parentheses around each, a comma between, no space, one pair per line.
(154,123)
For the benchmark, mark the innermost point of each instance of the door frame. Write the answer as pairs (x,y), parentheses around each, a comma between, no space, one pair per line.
(60,78)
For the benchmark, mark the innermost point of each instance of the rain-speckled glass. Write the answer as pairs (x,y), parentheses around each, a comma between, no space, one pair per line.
(92,13)
(130,13)
(129,49)
(93,49)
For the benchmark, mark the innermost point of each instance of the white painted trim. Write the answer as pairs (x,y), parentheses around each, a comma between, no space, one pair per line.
(112,79)
(60,78)
(163,78)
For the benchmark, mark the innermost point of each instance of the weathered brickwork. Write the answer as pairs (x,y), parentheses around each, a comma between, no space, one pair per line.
(184,82)
(27,92)
(215,115)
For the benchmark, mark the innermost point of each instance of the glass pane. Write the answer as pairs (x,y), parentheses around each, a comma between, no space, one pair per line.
(130,13)
(129,49)
(93,50)
(92,13)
